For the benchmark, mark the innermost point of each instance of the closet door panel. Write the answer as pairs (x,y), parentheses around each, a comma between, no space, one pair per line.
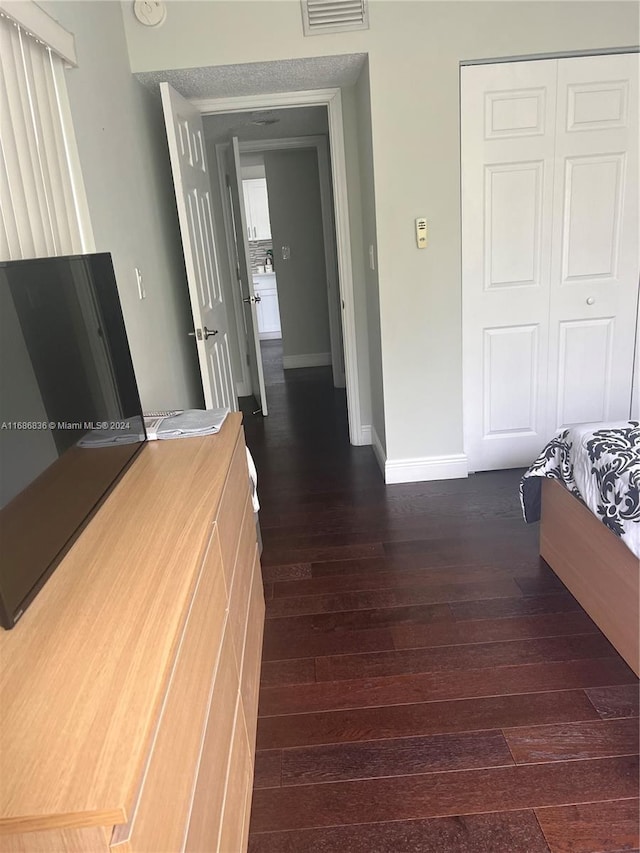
(594,272)
(585,366)
(508,134)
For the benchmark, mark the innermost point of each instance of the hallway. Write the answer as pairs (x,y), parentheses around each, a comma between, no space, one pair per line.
(427,683)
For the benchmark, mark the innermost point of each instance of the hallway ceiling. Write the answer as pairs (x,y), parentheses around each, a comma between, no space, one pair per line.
(282,123)
(260,78)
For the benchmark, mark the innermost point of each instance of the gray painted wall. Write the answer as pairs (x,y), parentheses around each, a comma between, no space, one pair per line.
(371,284)
(296,221)
(353,143)
(125,165)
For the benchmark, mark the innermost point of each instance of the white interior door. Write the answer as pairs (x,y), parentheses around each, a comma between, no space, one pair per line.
(594,264)
(249,296)
(193,197)
(508,132)
(550,250)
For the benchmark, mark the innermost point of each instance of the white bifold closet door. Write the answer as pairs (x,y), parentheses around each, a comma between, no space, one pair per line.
(550,250)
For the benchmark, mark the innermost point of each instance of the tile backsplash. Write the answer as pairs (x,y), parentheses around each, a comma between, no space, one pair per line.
(258,252)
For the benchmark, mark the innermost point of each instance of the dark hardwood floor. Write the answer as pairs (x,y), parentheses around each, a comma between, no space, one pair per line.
(428,685)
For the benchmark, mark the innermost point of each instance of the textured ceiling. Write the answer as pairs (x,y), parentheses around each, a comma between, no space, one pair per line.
(299,121)
(260,78)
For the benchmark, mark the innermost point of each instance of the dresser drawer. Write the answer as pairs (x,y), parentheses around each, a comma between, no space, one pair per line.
(252,656)
(233,836)
(161,812)
(248,796)
(90,839)
(208,800)
(234,497)
(241,582)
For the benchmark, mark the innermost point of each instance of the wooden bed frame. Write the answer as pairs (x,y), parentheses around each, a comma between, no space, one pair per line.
(596,567)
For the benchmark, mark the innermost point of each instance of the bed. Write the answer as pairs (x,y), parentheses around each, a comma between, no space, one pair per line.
(584,488)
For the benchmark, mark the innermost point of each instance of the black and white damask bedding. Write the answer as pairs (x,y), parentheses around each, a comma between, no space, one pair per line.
(600,465)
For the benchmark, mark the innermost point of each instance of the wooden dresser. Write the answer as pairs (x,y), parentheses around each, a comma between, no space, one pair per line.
(129,689)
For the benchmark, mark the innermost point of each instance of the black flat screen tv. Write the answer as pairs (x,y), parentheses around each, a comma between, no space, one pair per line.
(70,415)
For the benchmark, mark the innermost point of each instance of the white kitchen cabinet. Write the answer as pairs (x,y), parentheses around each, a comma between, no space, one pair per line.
(267,308)
(257,209)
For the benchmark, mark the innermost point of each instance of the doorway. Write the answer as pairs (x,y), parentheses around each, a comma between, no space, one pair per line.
(306,160)
(343,313)
(285,285)
(196,208)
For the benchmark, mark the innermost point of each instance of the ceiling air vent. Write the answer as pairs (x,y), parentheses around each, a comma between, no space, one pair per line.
(331,16)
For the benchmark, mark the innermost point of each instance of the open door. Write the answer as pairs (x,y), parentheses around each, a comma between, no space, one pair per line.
(193,197)
(245,278)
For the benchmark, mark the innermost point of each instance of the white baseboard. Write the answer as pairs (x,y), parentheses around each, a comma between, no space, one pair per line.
(379,451)
(311,359)
(270,336)
(426,468)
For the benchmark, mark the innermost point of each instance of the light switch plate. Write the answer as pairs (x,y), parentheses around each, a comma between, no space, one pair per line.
(286,253)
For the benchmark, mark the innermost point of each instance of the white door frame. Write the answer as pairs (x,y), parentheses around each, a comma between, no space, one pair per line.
(319,144)
(332,99)
(246,299)
(243,384)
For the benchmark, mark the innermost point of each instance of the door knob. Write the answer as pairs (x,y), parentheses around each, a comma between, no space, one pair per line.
(256,298)
(208,333)
(590,300)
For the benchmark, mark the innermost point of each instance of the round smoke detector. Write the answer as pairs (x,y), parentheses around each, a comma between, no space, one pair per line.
(151,13)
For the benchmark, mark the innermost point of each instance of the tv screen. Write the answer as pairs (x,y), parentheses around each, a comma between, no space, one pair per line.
(70,415)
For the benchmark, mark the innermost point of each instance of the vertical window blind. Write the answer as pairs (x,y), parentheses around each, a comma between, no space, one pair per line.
(43,209)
